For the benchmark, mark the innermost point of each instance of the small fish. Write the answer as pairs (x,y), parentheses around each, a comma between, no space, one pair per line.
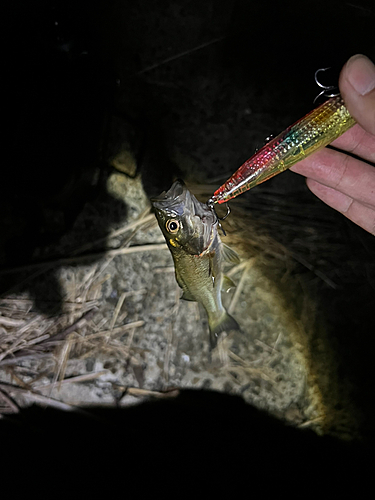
(191,231)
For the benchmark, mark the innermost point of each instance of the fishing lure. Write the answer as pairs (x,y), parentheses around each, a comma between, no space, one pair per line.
(314,131)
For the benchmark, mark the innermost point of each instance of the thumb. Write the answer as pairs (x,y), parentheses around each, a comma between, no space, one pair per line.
(357,87)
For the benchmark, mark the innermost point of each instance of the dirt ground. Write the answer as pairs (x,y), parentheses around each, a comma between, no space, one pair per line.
(90,312)
(123,333)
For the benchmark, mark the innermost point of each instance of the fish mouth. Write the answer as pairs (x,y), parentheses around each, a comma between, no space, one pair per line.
(176,194)
(201,221)
(179,201)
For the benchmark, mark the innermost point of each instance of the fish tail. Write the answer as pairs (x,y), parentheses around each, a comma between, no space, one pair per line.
(224,324)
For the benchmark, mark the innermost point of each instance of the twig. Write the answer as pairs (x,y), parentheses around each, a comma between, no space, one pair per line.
(23,332)
(129,340)
(94,288)
(81,258)
(223,351)
(67,303)
(309,422)
(17,379)
(38,340)
(50,340)
(26,357)
(109,258)
(168,352)
(54,403)
(139,248)
(9,401)
(266,346)
(142,219)
(88,280)
(135,391)
(117,309)
(73,380)
(167,269)
(312,268)
(11,322)
(119,329)
(75,326)
(237,268)
(276,342)
(63,361)
(240,285)
(40,398)
(239,360)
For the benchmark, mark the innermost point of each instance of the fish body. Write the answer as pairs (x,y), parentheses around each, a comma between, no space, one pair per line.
(191,232)
(314,131)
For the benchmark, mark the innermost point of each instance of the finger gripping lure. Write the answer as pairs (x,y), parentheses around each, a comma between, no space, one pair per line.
(314,131)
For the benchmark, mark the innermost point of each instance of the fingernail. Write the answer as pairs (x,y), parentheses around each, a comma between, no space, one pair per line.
(361,74)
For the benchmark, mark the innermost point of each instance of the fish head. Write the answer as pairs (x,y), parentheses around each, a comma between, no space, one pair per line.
(185,222)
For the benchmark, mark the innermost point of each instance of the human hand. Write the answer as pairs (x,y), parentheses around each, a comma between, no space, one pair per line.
(345,183)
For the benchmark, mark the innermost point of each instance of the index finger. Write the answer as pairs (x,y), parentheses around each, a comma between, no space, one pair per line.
(341,172)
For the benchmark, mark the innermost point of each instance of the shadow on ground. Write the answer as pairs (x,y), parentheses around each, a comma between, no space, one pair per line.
(198,434)
(58,143)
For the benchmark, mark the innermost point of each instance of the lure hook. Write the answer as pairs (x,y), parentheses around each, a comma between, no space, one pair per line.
(228,212)
(211,206)
(326,88)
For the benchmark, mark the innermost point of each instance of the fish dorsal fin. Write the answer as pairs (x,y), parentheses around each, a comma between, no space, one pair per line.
(230,255)
(227,284)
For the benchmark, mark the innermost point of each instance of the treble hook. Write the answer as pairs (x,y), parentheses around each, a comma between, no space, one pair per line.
(228,212)
(211,205)
(326,88)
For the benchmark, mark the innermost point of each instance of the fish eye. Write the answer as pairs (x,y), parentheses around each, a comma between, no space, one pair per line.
(172,225)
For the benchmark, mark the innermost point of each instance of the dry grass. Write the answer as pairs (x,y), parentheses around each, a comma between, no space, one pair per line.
(75,333)
(83,330)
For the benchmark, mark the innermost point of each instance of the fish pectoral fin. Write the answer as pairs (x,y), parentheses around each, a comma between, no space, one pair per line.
(186,293)
(212,266)
(187,296)
(227,284)
(179,279)
(230,255)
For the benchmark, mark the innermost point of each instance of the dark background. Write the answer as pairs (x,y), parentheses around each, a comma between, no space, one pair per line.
(70,67)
